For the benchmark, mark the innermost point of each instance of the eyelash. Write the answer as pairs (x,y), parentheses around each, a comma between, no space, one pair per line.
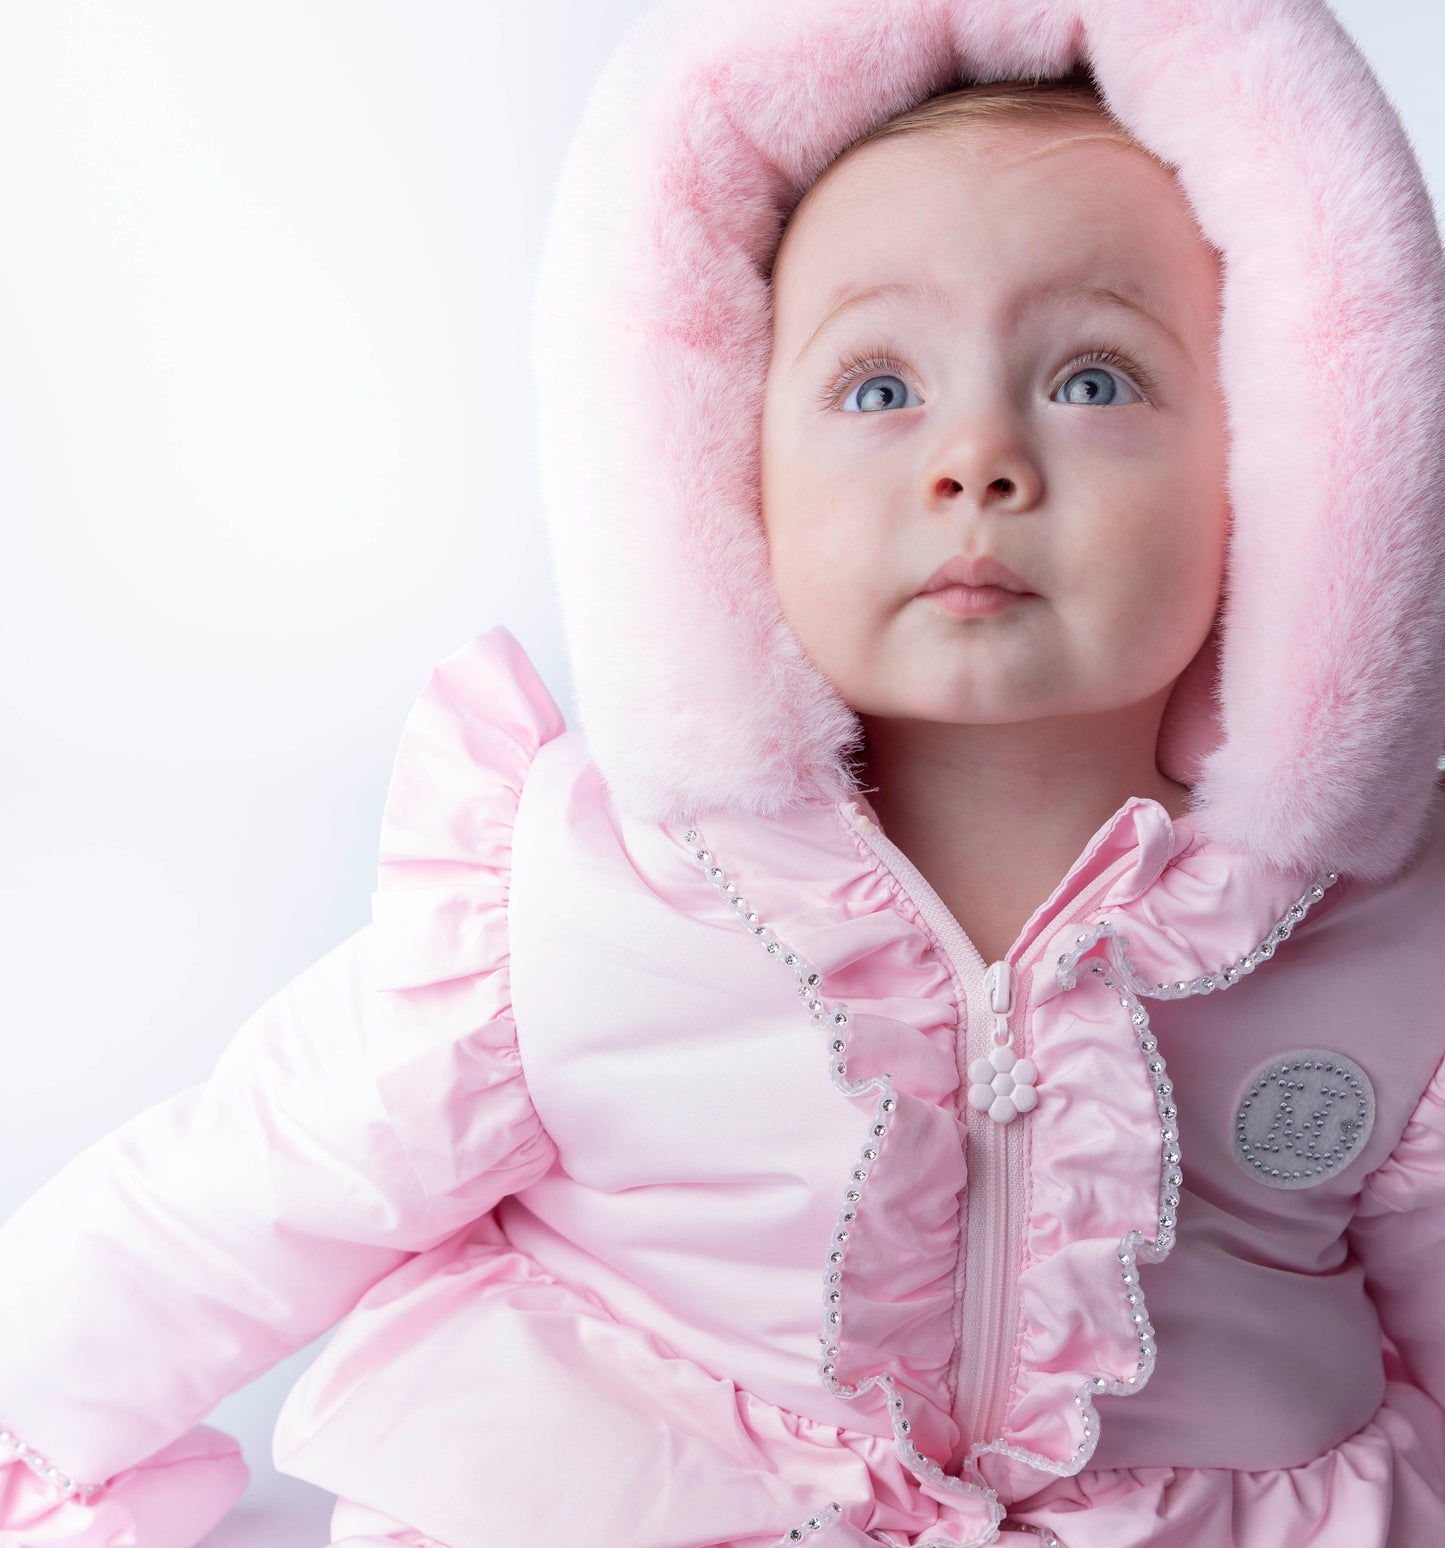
(856,366)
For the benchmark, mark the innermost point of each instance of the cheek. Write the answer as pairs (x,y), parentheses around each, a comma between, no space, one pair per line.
(1158,553)
(823,534)
(821,583)
(1171,606)
(826,578)
(1169,515)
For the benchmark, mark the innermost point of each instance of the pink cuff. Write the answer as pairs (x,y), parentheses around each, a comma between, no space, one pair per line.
(171,1500)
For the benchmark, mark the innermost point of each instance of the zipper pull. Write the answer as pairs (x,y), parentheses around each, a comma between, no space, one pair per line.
(999,981)
(1002,1085)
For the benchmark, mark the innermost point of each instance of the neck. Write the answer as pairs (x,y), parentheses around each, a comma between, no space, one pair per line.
(995,815)
(1053,773)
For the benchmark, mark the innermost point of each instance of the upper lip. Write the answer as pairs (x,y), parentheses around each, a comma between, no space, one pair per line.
(982,571)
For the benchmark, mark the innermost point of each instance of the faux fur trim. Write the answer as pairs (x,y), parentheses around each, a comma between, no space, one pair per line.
(1310,727)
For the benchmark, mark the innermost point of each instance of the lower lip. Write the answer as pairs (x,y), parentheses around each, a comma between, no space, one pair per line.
(967,601)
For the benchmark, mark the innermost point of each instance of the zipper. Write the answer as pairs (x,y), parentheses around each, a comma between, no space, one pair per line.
(994,1233)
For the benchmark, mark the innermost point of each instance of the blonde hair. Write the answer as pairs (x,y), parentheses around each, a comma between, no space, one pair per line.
(982,103)
(1066,100)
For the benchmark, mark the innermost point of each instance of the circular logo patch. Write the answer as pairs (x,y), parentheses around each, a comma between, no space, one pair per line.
(1302,1117)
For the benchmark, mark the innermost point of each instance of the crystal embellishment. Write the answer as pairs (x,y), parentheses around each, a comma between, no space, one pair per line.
(1301,1118)
(834,1021)
(12,1448)
(1120,974)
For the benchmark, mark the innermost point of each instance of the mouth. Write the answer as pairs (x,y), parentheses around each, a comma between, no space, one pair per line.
(971,601)
(980,575)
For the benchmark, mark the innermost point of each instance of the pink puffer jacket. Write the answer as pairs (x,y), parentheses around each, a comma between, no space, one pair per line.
(671,1168)
(637,1160)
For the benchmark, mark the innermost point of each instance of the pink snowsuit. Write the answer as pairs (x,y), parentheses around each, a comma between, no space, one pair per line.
(672,1168)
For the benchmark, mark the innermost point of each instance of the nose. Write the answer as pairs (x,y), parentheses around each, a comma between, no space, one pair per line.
(998,490)
(987,462)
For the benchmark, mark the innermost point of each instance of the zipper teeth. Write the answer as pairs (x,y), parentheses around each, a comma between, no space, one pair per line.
(994,1292)
(993,1306)
(998,1329)
(991,1396)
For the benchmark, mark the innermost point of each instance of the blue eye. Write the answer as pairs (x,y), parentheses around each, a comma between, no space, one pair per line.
(880,391)
(1094,384)
(879,385)
(1100,377)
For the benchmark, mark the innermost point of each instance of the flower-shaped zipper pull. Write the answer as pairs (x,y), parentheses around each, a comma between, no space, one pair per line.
(1002,1084)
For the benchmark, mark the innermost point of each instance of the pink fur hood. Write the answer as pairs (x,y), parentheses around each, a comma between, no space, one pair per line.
(1309,725)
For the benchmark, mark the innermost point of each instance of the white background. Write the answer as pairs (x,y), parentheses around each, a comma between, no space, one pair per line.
(265,457)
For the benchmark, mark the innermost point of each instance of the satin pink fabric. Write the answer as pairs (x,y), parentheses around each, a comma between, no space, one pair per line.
(555,1147)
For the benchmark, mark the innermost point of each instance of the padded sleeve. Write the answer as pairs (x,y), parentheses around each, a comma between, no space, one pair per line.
(1399,1236)
(372,1107)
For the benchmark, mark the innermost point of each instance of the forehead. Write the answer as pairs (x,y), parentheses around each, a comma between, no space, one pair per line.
(968,174)
(994,220)
(954,148)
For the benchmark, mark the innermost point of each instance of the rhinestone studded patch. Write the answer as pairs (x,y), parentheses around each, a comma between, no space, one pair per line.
(1300,1118)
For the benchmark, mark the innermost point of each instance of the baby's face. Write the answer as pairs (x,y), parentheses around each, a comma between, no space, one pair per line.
(1067,435)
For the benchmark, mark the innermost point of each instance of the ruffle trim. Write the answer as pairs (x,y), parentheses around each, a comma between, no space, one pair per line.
(444,855)
(1414,1173)
(1382,1484)
(1075,1344)
(1212,917)
(892,1112)
(439,946)
(1083,1346)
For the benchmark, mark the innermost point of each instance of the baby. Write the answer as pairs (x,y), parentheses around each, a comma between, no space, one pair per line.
(1019,295)
(692,1153)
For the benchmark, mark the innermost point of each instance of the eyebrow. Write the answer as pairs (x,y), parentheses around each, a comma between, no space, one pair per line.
(931,293)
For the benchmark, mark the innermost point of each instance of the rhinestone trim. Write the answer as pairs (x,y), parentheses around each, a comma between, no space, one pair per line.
(1135,1246)
(815,1523)
(12,1448)
(1048,1538)
(836,1020)
(1206,983)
